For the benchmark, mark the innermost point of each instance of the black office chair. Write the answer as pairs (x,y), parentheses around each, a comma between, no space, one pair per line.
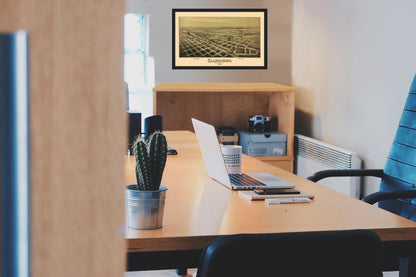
(397,189)
(334,253)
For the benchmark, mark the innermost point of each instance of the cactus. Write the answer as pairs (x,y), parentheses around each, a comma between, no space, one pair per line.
(150,161)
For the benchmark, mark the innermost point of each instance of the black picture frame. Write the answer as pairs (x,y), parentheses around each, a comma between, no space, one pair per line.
(219,38)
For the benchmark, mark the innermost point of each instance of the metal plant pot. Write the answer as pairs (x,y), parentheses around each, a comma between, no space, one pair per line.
(145,208)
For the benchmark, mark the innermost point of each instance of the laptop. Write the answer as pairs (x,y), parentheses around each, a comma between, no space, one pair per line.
(217,170)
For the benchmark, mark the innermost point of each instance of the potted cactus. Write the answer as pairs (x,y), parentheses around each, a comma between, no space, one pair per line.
(145,200)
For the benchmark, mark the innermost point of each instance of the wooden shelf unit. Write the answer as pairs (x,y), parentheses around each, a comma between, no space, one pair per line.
(228,104)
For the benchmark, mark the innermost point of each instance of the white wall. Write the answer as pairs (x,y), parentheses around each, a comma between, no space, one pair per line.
(352,64)
(279,40)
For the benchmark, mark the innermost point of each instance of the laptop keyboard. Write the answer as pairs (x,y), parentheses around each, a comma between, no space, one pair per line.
(244,181)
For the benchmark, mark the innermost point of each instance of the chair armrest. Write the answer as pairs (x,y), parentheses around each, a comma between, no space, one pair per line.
(384,195)
(345,173)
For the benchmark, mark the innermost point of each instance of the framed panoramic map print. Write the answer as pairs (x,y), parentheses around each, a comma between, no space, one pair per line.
(219,39)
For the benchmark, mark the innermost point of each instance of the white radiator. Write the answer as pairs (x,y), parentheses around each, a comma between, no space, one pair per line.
(312,155)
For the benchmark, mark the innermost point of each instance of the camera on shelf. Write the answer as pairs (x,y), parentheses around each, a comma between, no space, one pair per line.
(258,124)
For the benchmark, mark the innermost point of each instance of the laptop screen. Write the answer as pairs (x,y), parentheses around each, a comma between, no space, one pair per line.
(211,152)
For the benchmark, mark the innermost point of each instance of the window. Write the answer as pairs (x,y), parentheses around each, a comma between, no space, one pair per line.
(138,65)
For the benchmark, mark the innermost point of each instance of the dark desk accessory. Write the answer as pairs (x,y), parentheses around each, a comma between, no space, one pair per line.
(227,135)
(172,151)
(152,124)
(155,123)
(135,128)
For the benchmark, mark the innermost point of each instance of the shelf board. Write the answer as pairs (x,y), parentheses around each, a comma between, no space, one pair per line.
(222,87)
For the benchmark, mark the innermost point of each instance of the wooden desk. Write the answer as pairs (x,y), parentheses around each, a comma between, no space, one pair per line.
(198,210)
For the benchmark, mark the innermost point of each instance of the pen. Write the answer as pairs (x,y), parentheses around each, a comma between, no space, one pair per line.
(287,200)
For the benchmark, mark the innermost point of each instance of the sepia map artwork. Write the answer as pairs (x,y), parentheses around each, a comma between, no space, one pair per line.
(219,39)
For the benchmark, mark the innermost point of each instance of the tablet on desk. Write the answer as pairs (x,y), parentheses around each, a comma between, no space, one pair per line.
(277,191)
(251,195)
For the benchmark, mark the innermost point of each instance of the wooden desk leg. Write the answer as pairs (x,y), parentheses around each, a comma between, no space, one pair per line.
(182,271)
(407,267)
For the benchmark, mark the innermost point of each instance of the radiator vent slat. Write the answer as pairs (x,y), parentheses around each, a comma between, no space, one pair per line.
(312,155)
(321,153)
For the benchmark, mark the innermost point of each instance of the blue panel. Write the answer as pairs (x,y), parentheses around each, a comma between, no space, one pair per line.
(400,168)
(406,136)
(413,86)
(400,171)
(411,102)
(404,154)
(402,207)
(408,119)
(14,156)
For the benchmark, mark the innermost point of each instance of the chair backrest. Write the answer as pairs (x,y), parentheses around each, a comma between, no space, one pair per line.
(400,168)
(335,253)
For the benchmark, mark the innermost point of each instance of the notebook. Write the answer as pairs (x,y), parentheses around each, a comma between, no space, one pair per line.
(217,170)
